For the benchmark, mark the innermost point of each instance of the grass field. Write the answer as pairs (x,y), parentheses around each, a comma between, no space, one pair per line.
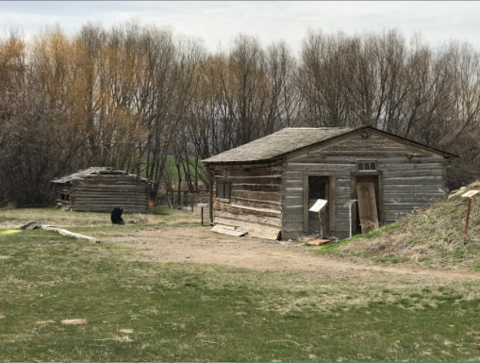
(116,308)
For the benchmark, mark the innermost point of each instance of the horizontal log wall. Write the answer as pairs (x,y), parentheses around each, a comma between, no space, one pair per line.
(104,192)
(255,199)
(412,177)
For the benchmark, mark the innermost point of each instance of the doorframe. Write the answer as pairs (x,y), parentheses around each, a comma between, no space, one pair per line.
(381,206)
(331,199)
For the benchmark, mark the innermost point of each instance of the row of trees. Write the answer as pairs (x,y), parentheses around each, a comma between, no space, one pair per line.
(132,95)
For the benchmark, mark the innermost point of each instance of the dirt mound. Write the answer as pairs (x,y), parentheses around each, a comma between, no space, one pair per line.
(433,236)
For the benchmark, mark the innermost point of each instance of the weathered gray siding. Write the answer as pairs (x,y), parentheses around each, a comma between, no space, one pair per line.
(104,192)
(411,177)
(255,203)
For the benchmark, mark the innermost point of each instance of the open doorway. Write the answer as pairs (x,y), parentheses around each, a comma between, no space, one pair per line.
(318,188)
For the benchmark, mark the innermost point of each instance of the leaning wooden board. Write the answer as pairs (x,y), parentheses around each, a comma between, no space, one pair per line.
(367,207)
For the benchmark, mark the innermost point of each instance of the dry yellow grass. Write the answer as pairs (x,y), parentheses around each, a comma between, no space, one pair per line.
(433,236)
(13,218)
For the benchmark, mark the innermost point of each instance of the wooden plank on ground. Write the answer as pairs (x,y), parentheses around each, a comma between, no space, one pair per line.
(229,231)
(64,232)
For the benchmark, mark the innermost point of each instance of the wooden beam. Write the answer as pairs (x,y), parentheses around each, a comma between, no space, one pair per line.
(210,197)
(64,232)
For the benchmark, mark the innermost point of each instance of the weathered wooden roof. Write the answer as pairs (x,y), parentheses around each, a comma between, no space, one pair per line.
(279,143)
(291,139)
(92,172)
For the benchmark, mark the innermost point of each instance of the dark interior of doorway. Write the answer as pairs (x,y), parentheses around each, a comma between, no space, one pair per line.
(318,188)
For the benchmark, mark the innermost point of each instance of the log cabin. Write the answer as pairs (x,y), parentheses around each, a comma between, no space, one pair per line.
(100,189)
(266,187)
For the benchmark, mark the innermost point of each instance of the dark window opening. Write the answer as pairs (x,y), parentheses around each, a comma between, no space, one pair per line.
(317,187)
(367,166)
(64,196)
(223,190)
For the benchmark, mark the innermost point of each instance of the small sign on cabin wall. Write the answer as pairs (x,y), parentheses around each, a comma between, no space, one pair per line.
(319,204)
(470,193)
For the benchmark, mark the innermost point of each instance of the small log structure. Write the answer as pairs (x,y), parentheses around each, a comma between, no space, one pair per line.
(100,189)
(266,187)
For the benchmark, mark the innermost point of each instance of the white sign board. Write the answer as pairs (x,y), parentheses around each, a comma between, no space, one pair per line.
(470,193)
(319,204)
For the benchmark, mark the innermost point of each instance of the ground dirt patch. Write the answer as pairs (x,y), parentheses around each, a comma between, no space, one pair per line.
(200,245)
(74,321)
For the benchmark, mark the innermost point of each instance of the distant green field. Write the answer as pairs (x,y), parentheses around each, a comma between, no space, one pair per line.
(171,168)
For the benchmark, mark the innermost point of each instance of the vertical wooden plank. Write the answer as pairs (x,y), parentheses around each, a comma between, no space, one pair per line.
(332,200)
(381,203)
(320,224)
(367,207)
(211,177)
(353,189)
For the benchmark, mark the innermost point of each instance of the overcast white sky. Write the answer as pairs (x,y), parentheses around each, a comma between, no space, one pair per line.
(217,22)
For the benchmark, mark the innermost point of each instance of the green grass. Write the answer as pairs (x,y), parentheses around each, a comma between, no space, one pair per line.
(190,312)
(171,168)
(334,248)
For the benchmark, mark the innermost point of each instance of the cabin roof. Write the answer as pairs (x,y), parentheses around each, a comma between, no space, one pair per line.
(92,172)
(292,139)
(277,144)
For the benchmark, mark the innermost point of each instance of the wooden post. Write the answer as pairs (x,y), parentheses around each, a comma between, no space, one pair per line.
(350,218)
(349,205)
(320,222)
(210,197)
(201,208)
(466,221)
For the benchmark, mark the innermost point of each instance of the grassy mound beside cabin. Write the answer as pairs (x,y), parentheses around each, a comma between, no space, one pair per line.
(431,237)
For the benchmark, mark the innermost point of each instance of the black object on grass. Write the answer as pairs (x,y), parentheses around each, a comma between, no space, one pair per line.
(116,216)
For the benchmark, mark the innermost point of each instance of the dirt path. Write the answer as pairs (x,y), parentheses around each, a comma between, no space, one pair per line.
(199,245)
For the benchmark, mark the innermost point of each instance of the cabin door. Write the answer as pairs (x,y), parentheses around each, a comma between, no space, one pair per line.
(368,203)
(318,187)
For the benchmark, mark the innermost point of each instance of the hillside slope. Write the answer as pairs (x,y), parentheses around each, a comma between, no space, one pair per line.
(432,237)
